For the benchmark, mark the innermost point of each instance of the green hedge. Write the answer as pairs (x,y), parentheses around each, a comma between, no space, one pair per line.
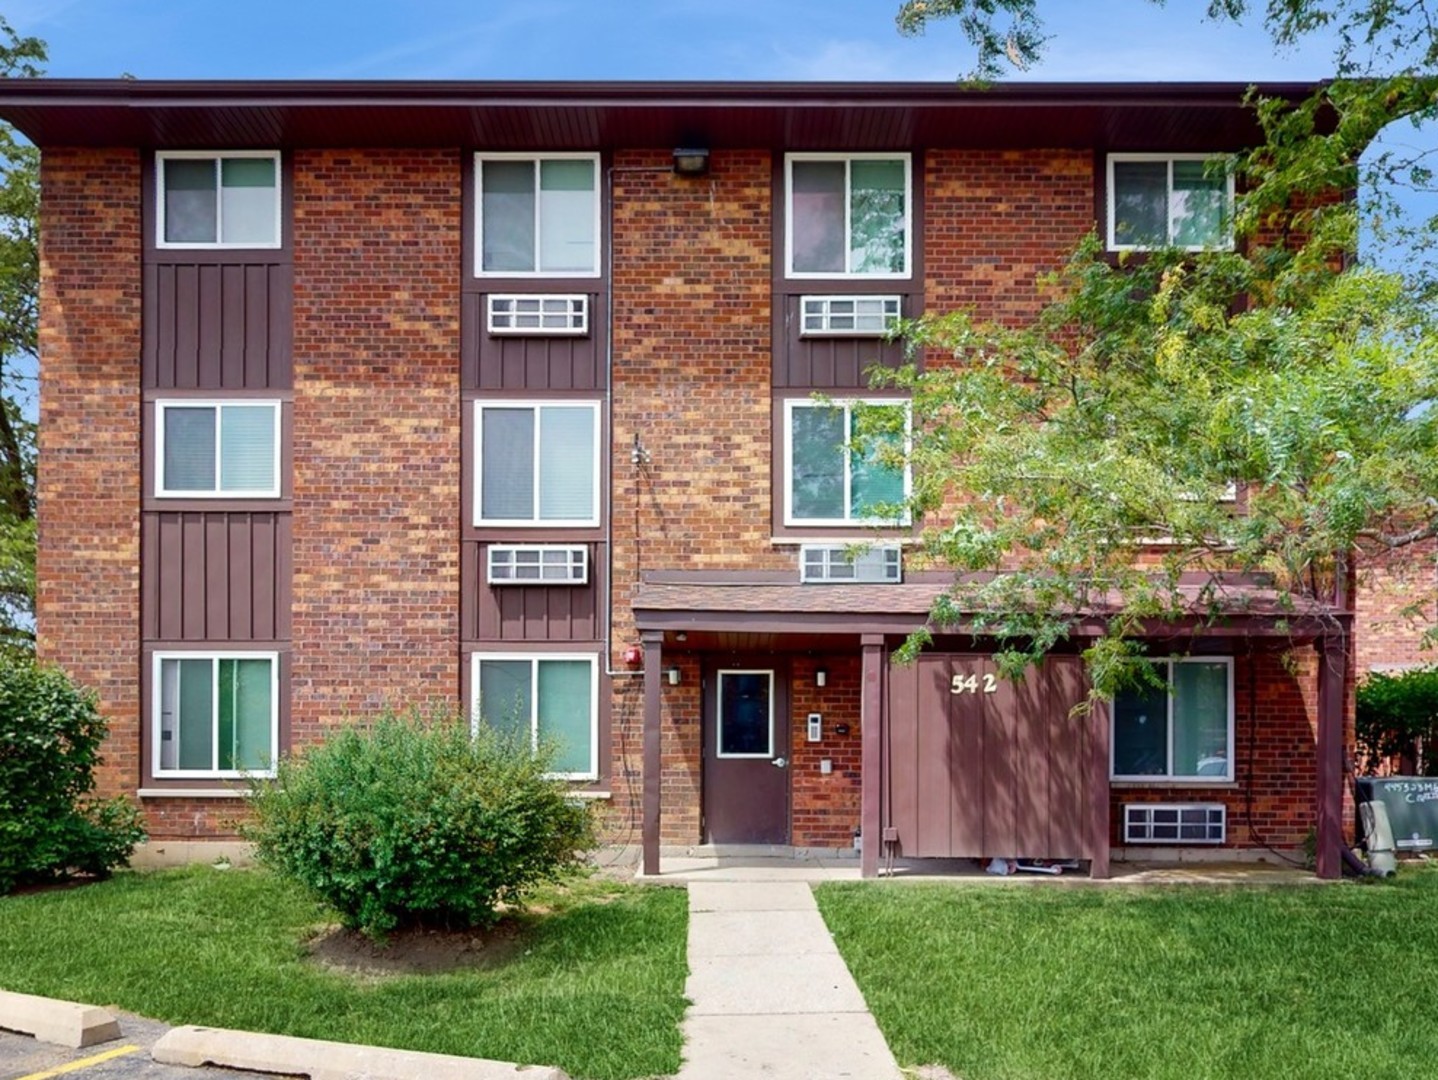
(1398,718)
(413,821)
(50,736)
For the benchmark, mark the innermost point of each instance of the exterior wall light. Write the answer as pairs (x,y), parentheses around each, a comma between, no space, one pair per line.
(691,162)
(673,674)
(821,677)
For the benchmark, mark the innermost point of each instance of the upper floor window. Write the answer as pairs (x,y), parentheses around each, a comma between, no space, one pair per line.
(829,480)
(848,215)
(216,714)
(219,200)
(538,216)
(1179,731)
(537,464)
(1173,200)
(207,449)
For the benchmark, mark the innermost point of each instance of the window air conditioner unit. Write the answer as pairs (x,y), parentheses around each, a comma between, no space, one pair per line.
(538,314)
(836,563)
(538,564)
(1174,823)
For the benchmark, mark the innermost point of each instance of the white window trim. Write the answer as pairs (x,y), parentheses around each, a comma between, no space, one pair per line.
(592,659)
(846,274)
(1229,195)
(1168,777)
(162,492)
(157,708)
(481,522)
(846,404)
(719,714)
(480,271)
(215,155)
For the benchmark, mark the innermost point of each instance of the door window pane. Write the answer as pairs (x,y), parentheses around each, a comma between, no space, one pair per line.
(507,452)
(247,448)
(189,460)
(248,197)
(1140,731)
(817,470)
(505,696)
(507,212)
(189,201)
(816,207)
(566,463)
(564,713)
(1200,719)
(1140,201)
(745,714)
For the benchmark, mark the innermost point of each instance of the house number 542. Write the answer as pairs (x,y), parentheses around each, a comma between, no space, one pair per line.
(969,684)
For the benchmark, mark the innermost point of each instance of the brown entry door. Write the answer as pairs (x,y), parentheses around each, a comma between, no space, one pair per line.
(746,759)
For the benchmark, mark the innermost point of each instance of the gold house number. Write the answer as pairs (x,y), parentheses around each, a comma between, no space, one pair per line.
(969,684)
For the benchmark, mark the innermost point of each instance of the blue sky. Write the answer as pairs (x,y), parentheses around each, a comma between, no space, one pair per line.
(632,39)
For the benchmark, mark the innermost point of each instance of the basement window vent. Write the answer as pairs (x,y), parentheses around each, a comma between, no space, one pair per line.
(538,564)
(835,563)
(847,316)
(1174,823)
(545,314)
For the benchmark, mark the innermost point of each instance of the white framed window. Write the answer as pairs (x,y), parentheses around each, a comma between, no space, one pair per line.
(216,714)
(537,215)
(217,449)
(554,697)
(1182,730)
(1168,200)
(848,316)
(536,463)
(745,708)
(538,314)
(827,481)
(229,199)
(848,215)
(538,564)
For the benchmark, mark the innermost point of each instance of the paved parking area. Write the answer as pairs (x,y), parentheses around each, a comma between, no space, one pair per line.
(24,1058)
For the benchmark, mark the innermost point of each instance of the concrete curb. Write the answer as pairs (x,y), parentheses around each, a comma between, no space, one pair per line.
(65,1022)
(319,1060)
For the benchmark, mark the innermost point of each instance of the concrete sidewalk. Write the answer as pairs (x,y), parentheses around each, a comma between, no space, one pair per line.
(771,995)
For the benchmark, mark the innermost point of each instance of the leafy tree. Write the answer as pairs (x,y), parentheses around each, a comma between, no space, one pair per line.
(19,315)
(1266,410)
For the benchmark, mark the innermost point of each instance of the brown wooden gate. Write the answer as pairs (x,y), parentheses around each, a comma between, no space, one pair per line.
(979,766)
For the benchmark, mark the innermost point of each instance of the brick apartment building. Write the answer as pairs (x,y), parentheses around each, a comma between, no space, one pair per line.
(359,394)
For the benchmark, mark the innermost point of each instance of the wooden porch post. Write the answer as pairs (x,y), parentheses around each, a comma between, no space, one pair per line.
(1098,822)
(1332,666)
(872,720)
(653,755)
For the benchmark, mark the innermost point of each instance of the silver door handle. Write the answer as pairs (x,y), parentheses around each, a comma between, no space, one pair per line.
(779,762)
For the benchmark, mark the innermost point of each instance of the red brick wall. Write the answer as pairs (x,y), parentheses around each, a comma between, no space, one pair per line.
(1385,632)
(89,485)
(376,441)
(825,808)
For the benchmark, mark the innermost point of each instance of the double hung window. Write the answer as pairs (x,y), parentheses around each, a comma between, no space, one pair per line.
(538,216)
(1180,731)
(538,463)
(215,714)
(208,449)
(224,200)
(551,699)
(1180,200)
(848,216)
(838,475)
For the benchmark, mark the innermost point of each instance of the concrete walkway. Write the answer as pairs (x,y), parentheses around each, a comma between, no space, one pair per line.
(771,995)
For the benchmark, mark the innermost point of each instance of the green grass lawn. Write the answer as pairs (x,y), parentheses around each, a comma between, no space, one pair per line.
(594,985)
(1128,982)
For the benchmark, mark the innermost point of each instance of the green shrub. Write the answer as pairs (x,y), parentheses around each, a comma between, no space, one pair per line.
(1398,718)
(412,821)
(50,735)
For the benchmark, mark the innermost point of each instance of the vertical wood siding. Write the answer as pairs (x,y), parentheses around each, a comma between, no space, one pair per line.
(528,613)
(216,577)
(211,326)
(523,362)
(828,363)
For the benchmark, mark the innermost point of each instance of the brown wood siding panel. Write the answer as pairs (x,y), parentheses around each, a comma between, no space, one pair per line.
(210,326)
(528,613)
(221,577)
(933,760)
(966,762)
(905,708)
(830,363)
(1070,747)
(1033,806)
(523,362)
